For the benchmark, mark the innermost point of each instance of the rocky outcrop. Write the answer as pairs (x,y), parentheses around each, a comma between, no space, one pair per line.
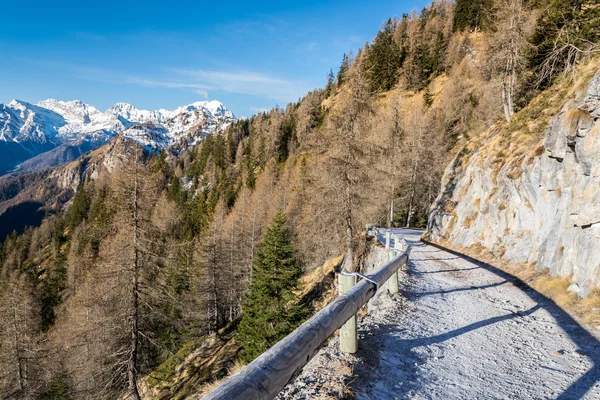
(543,210)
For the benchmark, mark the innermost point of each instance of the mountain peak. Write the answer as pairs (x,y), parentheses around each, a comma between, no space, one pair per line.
(51,122)
(19,104)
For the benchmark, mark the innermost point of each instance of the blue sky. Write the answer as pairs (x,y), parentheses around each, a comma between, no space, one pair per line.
(249,55)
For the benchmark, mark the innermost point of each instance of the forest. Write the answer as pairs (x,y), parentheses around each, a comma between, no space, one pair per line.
(168,248)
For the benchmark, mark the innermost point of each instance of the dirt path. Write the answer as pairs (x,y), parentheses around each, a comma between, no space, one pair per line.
(459,329)
(470,331)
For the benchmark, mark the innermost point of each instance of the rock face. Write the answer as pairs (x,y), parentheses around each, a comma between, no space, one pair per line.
(547,214)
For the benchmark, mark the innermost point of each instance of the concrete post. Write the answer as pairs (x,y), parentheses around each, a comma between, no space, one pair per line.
(392,283)
(348,331)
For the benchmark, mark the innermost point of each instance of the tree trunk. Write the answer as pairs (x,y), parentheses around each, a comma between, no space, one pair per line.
(413,181)
(507,113)
(18,357)
(410,213)
(349,260)
(134,311)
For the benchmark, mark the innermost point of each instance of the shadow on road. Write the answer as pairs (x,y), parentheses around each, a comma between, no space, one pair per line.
(416,295)
(445,270)
(440,259)
(376,359)
(468,328)
(586,342)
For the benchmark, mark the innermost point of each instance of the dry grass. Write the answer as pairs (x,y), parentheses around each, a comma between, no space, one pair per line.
(555,287)
(317,275)
(590,308)
(342,388)
(470,219)
(209,387)
(572,118)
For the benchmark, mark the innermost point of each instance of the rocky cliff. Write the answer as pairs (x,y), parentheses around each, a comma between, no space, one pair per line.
(539,206)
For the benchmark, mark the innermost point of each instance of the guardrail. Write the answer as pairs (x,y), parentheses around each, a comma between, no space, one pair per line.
(266,376)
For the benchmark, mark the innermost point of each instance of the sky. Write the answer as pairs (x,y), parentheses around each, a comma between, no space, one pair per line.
(250,55)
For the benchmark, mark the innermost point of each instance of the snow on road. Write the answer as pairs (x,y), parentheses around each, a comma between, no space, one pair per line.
(461,330)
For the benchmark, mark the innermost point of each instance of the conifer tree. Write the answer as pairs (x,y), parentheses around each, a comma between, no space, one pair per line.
(567,32)
(330,84)
(270,311)
(344,67)
(384,59)
(471,14)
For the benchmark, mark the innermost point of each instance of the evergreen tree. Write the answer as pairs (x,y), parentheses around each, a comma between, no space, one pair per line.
(79,207)
(176,192)
(344,68)
(330,84)
(471,14)
(566,31)
(270,311)
(384,59)
(427,97)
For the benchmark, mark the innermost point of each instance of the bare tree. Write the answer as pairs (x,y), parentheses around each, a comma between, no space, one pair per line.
(131,260)
(510,47)
(568,50)
(422,151)
(20,377)
(348,154)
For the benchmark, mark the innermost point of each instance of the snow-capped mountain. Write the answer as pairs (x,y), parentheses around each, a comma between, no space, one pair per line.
(30,130)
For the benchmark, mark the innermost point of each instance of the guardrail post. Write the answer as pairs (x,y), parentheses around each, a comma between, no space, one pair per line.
(348,331)
(392,283)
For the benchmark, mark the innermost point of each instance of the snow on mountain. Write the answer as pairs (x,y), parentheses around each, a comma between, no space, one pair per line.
(55,122)
(22,122)
(27,130)
(72,111)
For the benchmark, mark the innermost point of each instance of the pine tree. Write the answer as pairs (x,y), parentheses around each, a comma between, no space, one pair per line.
(330,84)
(384,59)
(567,32)
(344,67)
(270,311)
(471,14)
(79,206)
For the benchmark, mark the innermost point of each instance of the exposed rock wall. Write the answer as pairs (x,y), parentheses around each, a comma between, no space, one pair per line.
(547,213)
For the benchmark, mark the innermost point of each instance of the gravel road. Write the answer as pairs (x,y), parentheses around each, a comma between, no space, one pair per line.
(459,329)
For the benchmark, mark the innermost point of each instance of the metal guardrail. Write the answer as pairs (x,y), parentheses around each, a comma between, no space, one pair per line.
(266,376)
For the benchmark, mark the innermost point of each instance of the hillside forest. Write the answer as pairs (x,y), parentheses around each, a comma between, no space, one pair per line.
(169,248)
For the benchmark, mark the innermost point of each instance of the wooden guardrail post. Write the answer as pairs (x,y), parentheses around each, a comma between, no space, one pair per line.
(348,331)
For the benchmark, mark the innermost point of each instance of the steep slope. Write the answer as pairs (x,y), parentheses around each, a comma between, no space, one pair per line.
(531,199)
(71,128)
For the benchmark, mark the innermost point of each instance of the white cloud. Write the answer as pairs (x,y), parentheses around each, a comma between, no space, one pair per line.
(245,82)
(168,84)
(200,81)
(202,93)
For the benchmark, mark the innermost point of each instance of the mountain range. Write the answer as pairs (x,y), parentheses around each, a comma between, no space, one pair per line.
(54,132)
